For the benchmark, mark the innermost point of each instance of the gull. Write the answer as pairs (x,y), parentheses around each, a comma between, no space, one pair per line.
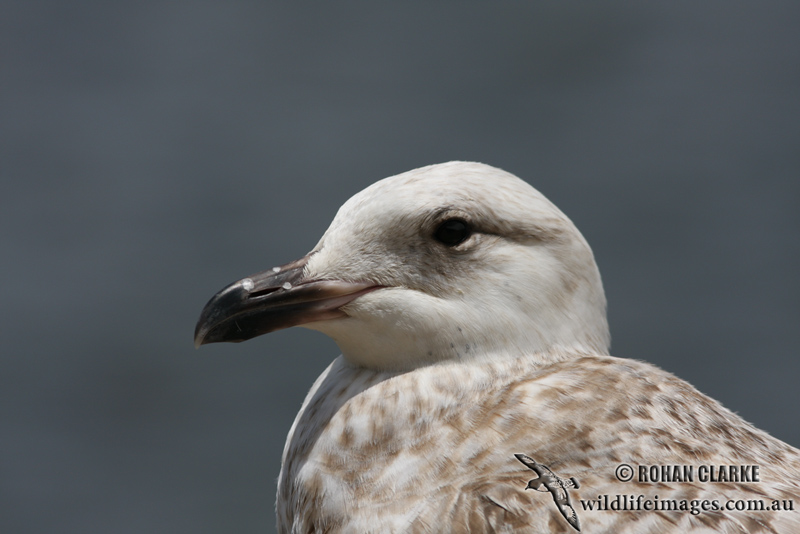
(471,319)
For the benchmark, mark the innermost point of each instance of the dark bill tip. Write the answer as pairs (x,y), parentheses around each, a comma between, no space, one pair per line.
(273,300)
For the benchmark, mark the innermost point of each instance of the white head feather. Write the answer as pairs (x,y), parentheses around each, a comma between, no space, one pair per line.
(524,282)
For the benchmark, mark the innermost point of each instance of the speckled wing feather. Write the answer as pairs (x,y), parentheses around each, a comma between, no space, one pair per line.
(432,450)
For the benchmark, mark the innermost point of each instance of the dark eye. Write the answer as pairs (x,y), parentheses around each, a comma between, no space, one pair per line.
(452,232)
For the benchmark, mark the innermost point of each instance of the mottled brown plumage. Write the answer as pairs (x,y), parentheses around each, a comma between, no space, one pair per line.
(457,357)
(433,449)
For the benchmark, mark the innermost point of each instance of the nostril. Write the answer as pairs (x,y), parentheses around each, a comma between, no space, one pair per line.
(262,292)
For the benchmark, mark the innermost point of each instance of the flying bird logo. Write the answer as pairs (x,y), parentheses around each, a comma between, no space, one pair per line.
(557,486)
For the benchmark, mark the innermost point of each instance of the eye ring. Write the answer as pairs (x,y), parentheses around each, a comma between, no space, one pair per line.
(452,232)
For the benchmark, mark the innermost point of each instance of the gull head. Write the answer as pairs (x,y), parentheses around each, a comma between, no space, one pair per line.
(456,261)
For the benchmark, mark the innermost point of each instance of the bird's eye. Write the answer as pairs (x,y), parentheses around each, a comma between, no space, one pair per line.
(452,232)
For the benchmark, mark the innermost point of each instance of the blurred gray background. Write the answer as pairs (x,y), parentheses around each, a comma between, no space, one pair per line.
(150,153)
